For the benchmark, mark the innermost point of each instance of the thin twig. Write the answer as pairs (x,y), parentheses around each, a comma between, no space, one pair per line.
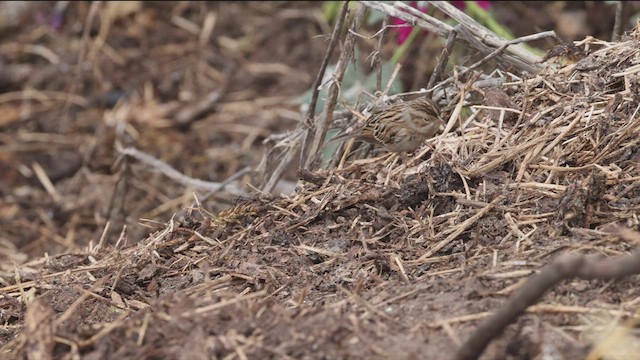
(316,84)
(477,35)
(227,181)
(405,12)
(493,54)
(377,62)
(444,59)
(487,36)
(325,62)
(174,174)
(322,123)
(617,25)
(461,228)
(282,165)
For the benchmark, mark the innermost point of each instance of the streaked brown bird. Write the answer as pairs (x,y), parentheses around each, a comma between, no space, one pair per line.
(399,127)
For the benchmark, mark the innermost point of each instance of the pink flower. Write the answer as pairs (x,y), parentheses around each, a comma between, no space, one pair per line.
(462,5)
(404,31)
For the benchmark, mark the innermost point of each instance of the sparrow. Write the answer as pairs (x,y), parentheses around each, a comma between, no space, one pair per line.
(399,127)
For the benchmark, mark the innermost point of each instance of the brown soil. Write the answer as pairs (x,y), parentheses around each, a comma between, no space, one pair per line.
(374,260)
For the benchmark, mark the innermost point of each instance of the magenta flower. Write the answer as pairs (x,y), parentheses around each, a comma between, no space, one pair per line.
(404,31)
(461,4)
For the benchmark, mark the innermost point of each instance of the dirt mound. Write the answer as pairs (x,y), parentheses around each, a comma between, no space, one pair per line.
(390,256)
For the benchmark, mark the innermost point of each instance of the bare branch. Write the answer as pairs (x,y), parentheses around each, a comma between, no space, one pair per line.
(325,62)
(476,35)
(378,55)
(564,267)
(444,59)
(617,25)
(316,84)
(494,54)
(322,123)
(485,35)
(176,175)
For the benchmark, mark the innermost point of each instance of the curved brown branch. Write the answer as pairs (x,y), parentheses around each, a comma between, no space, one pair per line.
(564,267)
